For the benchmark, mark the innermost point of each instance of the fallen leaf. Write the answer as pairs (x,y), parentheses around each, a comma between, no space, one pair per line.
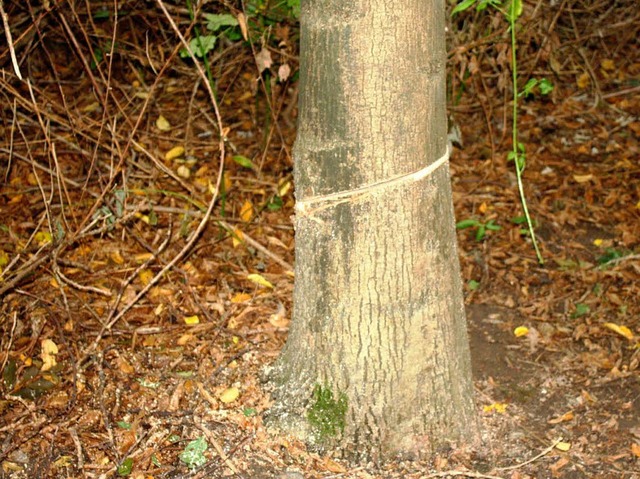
(185,339)
(520,331)
(227,181)
(243,161)
(240,298)
(283,72)
(116,257)
(229,395)
(621,330)
(284,187)
(191,319)
(333,466)
(583,81)
(48,354)
(242,22)
(563,446)
(237,238)
(608,65)
(163,124)
(146,275)
(184,172)
(258,279)
(263,60)
(246,212)
(173,153)
(124,366)
(635,449)
(497,407)
(42,238)
(63,461)
(567,416)
(582,178)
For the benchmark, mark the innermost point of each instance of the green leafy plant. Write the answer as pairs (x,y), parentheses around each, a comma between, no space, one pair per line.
(581,310)
(193,454)
(544,86)
(473,285)
(124,469)
(269,12)
(327,415)
(481,228)
(611,254)
(217,24)
(512,11)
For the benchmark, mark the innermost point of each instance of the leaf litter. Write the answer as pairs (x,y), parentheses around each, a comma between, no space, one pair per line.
(172,388)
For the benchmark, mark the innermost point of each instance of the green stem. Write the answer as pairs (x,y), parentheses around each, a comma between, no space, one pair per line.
(514,129)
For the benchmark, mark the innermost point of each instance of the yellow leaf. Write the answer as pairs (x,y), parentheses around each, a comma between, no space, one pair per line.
(520,331)
(567,416)
(49,347)
(497,407)
(143,218)
(185,339)
(163,124)
(42,238)
(621,330)
(284,188)
(333,466)
(246,212)
(237,238)
(63,461)
(598,242)
(192,319)
(583,81)
(229,395)
(240,298)
(184,171)
(228,182)
(582,178)
(142,257)
(8,467)
(173,153)
(4,258)
(608,65)
(48,354)
(116,257)
(124,366)
(146,275)
(635,449)
(482,208)
(563,446)
(258,279)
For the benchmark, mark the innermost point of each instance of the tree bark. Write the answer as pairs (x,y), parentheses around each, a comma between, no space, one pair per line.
(377,361)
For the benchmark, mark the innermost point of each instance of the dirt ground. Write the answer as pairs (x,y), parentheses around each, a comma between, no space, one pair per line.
(123,342)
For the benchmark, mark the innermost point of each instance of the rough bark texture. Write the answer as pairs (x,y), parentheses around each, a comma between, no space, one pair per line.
(378,309)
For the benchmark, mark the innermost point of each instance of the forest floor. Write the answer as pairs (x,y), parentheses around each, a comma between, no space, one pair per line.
(91,390)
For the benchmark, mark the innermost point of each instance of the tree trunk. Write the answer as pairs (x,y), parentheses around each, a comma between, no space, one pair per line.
(377,361)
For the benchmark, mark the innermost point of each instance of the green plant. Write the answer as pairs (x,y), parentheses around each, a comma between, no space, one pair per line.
(124,469)
(581,310)
(269,12)
(518,153)
(481,228)
(193,454)
(611,254)
(217,24)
